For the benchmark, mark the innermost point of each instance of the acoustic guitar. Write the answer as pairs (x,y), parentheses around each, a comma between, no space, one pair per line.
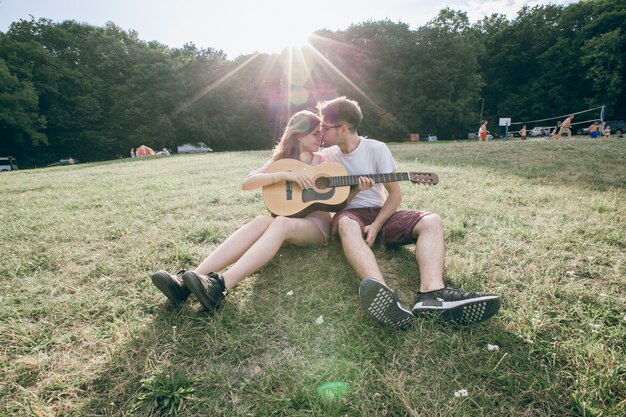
(331,187)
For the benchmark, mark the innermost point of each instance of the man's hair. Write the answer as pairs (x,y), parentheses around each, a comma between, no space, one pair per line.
(340,110)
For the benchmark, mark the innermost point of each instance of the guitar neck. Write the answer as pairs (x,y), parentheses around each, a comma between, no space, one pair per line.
(345,180)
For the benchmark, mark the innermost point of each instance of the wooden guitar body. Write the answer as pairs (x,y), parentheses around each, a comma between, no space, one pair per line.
(287,198)
(331,189)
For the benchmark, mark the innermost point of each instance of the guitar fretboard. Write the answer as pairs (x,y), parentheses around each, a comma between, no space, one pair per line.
(344,180)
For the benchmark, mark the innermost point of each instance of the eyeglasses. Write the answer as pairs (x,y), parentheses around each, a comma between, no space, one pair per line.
(325,128)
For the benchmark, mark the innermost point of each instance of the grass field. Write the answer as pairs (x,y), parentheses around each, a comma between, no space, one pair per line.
(84,333)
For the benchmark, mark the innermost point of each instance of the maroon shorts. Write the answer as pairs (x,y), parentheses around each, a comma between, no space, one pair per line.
(397,230)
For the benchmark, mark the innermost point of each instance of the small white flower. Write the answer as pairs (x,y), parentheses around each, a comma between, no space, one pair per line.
(530,341)
(493,348)
(319,320)
(624,317)
(461,393)
(290,293)
(595,325)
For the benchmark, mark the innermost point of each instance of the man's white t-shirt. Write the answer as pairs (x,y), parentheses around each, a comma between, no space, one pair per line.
(370,157)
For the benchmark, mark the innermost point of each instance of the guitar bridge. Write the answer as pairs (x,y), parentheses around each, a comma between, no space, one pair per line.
(288,190)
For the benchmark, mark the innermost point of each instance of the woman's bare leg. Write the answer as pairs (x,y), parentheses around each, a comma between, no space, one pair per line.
(300,232)
(235,246)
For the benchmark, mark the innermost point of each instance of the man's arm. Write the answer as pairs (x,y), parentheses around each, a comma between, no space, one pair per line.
(391,206)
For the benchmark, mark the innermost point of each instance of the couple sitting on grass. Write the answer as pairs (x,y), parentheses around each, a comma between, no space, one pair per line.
(367,213)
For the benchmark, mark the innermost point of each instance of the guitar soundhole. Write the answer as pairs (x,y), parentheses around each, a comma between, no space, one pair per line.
(322,183)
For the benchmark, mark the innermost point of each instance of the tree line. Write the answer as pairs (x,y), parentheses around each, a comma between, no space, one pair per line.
(69,88)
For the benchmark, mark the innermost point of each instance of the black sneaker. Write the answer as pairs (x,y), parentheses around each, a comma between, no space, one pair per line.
(383,305)
(457,305)
(171,285)
(210,289)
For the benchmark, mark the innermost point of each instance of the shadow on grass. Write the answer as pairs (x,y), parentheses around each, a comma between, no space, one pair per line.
(267,352)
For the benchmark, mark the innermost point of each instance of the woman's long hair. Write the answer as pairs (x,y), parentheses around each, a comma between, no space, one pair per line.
(300,124)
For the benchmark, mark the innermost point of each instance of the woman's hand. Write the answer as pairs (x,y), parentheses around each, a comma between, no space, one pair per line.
(303,180)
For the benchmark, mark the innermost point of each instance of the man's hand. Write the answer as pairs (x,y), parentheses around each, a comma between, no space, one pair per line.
(371,231)
(365,183)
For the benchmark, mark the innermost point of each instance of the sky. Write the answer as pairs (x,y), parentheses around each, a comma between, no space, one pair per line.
(240,27)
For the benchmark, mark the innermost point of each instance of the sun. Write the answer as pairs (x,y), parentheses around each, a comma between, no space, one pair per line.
(277,41)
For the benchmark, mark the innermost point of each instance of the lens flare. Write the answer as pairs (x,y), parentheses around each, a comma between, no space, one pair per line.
(332,391)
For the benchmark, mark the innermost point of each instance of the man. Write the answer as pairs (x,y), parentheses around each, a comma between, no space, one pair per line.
(369,212)
(593,130)
(566,127)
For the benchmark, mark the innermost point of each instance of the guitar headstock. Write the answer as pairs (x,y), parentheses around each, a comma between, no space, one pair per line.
(424,178)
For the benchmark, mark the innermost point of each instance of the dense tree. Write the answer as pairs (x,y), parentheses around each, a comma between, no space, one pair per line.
(554,60)
(20,122)
(449,82)
(69,88)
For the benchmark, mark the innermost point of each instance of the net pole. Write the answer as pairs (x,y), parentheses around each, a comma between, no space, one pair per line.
(602,118)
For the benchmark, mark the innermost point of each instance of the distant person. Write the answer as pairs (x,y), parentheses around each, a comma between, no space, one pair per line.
(256,243)
(133,154)
(70,161)
(556,134)
(522,132)
(593,130)
(483,132)
(607,131)
(566,126)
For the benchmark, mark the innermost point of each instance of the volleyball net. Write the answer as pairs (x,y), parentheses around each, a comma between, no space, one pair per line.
(581,119)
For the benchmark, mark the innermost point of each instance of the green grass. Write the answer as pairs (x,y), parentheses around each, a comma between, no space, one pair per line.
(84,333)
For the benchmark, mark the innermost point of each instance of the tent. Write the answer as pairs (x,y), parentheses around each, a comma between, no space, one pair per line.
(144,151)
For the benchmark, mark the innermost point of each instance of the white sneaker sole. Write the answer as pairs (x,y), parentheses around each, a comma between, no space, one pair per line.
(473,310)
(383,305)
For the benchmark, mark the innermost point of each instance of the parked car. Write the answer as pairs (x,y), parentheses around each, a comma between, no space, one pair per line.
(199,147)
(7,163)
(540,131)
(60,162)
(582,131)
(431,138)
(414,137)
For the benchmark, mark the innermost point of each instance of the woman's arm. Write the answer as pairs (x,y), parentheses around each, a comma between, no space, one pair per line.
(254,181)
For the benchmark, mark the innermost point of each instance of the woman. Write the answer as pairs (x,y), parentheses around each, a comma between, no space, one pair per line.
(482,132)
(256,243)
